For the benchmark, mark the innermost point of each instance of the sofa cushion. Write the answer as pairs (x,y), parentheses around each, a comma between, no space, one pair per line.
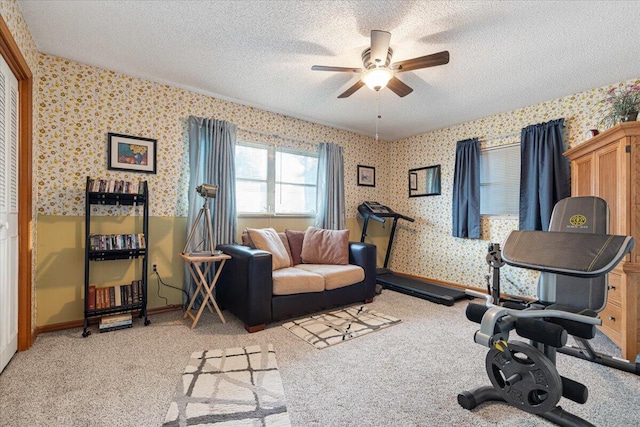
(268,240)
(285,242)
(335,276)
(325,246)
(295,238)
(292,280)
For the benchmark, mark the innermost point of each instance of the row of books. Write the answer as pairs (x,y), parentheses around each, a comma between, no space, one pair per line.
(113,323)
(109,242)
(114,296)
(115,186)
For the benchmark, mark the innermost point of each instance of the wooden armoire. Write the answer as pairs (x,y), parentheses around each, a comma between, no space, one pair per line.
(608,166)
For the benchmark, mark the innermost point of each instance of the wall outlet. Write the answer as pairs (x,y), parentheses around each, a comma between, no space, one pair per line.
(155,267)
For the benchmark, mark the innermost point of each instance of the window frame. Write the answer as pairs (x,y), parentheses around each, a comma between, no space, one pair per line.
(272,181)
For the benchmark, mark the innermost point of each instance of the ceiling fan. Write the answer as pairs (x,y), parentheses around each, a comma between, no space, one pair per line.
(378,72)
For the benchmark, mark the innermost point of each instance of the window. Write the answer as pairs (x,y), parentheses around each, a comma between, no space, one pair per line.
(272,180)
(500,180)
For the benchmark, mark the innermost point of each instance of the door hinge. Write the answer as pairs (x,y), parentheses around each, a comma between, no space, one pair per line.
(627,149)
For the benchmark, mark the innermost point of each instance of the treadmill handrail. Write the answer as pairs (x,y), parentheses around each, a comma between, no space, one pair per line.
(366,212)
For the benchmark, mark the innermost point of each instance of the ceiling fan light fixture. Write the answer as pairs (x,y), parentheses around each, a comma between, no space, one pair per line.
(377,78)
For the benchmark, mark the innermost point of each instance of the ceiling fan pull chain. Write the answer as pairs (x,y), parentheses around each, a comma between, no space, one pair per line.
(378,116)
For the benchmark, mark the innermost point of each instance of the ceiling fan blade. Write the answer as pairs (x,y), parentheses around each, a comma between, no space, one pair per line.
(427,61)
(379,46)
(328,68)
(351,90)
(398,87)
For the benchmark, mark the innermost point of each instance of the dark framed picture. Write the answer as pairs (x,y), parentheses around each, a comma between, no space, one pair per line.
(131,153)
(366,176)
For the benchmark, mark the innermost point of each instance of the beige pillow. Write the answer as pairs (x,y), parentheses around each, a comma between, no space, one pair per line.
(268,240)
(325,246)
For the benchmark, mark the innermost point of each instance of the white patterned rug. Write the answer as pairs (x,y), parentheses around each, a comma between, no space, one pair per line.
(326,329)
(233,387)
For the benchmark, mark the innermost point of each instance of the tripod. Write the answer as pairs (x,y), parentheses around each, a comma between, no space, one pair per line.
(208,229)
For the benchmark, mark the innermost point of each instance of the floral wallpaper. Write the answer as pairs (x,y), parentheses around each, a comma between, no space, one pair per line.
(79,104)
(426,248)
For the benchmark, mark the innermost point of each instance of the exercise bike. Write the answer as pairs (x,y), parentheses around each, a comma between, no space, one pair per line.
(573,258)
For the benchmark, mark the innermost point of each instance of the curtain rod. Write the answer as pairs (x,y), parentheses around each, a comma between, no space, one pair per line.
(275,135)
(506,135)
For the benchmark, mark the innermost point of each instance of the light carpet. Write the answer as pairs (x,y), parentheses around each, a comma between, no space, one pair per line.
(237,386)
(324,330)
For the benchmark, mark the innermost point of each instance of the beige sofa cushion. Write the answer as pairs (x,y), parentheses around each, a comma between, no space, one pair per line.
(322,246)
(335,276)
(292,280)
(268,240)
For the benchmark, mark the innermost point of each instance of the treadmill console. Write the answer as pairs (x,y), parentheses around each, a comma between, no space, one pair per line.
(376,207)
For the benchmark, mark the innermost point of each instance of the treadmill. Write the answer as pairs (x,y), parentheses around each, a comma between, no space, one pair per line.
(438,294)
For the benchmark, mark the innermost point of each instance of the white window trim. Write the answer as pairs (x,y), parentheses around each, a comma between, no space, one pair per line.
(271,181)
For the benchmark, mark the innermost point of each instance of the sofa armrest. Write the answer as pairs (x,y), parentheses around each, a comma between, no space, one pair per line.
(245,285)
(364,255)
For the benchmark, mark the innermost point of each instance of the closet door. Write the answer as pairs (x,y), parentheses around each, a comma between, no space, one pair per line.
(8,214)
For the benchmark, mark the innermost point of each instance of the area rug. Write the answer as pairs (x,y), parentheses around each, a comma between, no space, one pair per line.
(324,330)
(232,387)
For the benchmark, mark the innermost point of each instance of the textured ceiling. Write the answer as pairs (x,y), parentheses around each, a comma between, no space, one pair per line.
(504,55)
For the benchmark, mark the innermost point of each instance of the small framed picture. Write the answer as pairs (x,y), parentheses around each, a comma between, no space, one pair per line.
(131,153)
(366,176)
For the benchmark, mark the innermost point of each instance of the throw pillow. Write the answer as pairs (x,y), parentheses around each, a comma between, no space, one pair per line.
(246,241)
(295,239)
(268,240)
(285,242)
(325,246)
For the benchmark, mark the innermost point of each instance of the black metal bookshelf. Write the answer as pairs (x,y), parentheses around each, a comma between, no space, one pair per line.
(126,195)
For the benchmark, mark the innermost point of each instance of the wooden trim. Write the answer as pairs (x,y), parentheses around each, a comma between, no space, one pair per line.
(619,131)
(80,322)
(11,53)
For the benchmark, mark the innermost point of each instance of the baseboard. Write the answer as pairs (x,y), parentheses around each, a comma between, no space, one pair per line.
(94,320)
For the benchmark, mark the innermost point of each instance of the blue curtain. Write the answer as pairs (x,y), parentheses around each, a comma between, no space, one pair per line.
(544,173)
(212,161)
(466,190)
(330,202)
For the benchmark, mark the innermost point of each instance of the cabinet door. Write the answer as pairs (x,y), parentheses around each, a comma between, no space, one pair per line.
(610,184)
(8,214)
(582,172)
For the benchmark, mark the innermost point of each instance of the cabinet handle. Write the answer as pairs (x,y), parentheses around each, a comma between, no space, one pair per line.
(611,287)
(613,319)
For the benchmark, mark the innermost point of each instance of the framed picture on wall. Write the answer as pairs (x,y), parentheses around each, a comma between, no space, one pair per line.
(366,176)
(131,153)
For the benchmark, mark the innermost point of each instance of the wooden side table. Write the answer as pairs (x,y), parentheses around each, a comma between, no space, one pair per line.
(199,266)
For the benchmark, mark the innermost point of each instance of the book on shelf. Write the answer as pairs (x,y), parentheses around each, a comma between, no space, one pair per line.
(108,242)
(115,319)
(115,186)
(91,298)
(115,296)
(115,327)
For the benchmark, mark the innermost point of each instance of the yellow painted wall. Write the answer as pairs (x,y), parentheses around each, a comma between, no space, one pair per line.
(60,262)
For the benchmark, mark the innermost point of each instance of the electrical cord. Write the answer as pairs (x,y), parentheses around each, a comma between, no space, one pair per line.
(160,281)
